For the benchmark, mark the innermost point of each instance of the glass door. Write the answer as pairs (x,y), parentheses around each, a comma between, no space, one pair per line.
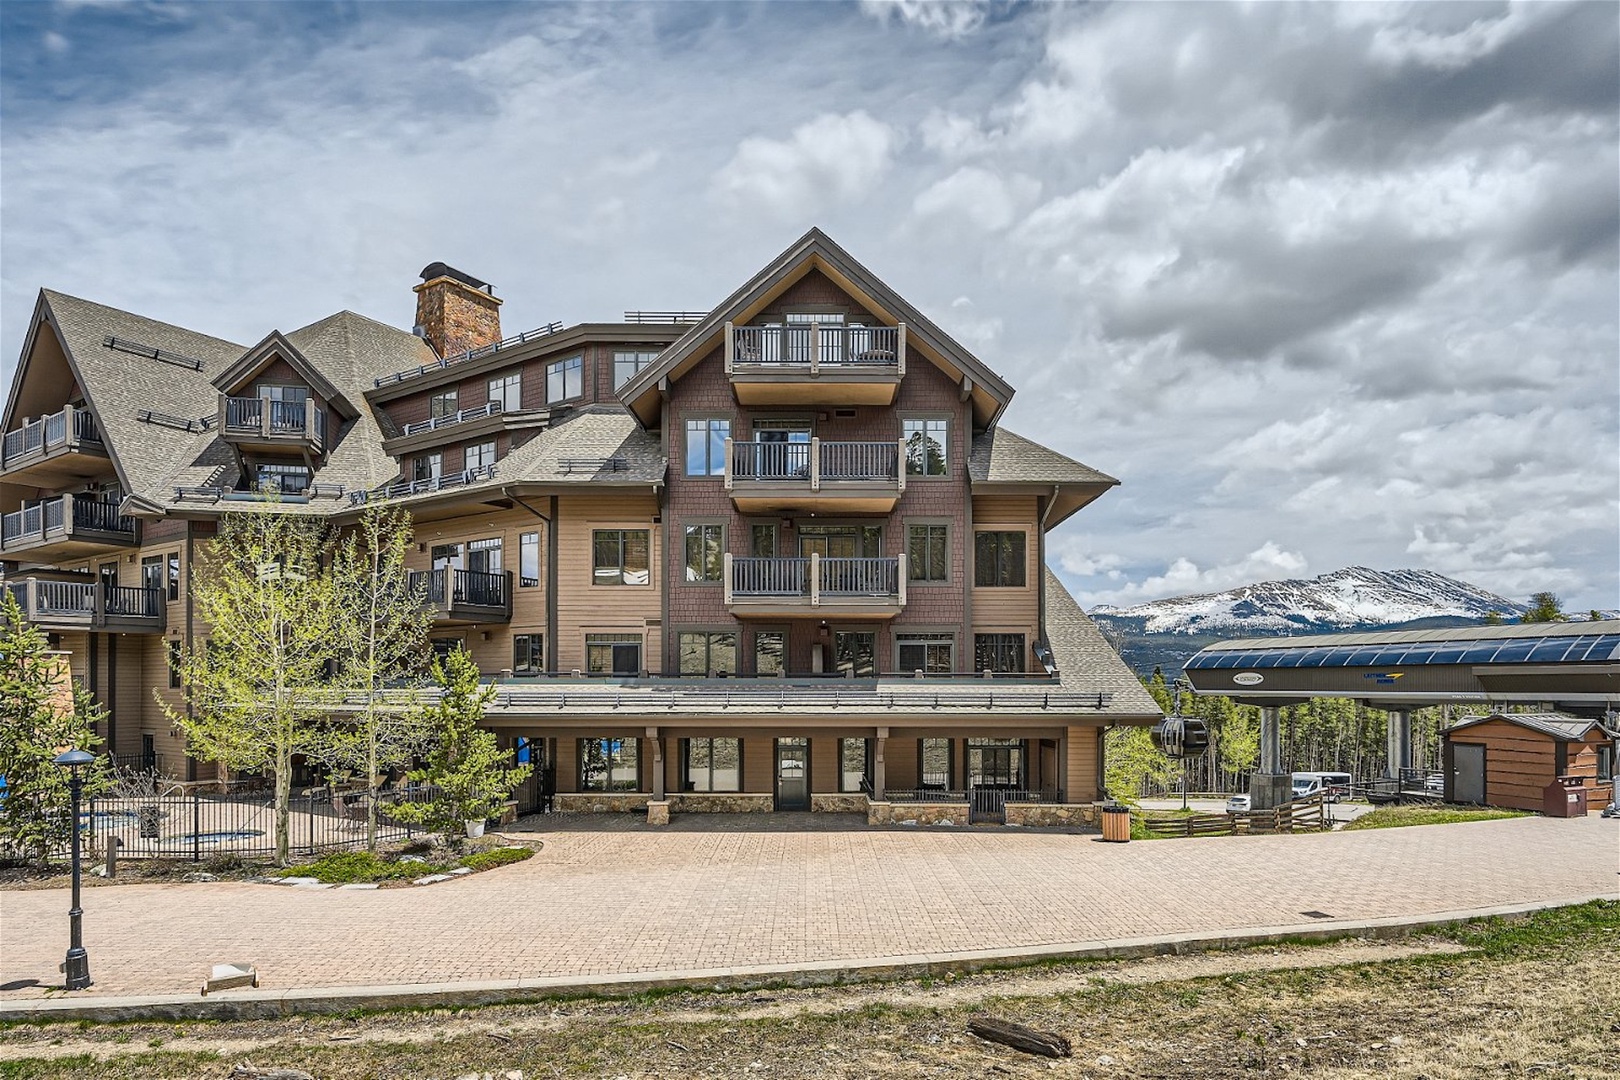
(793,774)
(782,449)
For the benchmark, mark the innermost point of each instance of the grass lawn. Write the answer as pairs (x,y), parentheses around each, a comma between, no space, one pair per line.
(1395,817)
(1518,998)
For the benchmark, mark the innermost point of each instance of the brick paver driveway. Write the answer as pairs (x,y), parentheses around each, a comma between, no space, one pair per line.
(630,899)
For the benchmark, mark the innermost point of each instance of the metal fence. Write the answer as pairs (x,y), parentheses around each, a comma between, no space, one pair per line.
(201,824)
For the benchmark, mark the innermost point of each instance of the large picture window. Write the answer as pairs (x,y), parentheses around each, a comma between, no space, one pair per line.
(445,403)
(931,654)
(528,560)
(998,559)
(613,654)
(507,390)
(995,763)
(770,652)
(706,446)
(851,764)
(934,763)
(705,552)
(609,765)
(1000,653)
(926,447)
(856,653)
(480,454)
(704,653)
(713,764)
(620,557)
(528,654)
(927,553)
(627,364)
(565,380)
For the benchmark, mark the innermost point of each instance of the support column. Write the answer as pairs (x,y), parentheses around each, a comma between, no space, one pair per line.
(1269,786)
(1398,742)
(657,764)
(878,777)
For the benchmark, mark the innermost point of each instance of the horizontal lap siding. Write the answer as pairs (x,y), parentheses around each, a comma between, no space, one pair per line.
(1080,777)
(1010,610)
(583,607)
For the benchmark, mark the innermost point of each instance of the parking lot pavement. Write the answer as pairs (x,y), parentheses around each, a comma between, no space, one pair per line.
(639,899)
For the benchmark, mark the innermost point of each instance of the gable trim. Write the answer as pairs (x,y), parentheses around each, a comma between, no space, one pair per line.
(275,344)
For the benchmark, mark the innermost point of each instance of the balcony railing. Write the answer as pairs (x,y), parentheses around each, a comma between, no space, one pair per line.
(68,428)
(458,593)
(423,486)
(52,519)
(267,418)
(816,579)
(492,408)
(813,346)
(815,462)
(86,603)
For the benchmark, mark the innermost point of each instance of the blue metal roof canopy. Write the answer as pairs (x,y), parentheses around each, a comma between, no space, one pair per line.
(1574,666)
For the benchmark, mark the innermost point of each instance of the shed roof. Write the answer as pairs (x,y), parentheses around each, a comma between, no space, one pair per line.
(1554,725)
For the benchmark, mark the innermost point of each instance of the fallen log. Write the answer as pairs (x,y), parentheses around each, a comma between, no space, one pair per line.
(1019,1037)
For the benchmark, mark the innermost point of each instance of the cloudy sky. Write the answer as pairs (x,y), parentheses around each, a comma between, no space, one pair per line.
(1322,285)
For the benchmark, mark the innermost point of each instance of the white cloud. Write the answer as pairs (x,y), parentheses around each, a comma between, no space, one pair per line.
(832,158)
(978,197)
(946,18)
(54,42)
(1266,563)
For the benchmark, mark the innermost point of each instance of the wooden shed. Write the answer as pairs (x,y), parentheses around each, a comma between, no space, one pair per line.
(1508,759)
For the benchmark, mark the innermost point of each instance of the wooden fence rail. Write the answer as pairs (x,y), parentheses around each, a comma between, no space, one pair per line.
(1301,815)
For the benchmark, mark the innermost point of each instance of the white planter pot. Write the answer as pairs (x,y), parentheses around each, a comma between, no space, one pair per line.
(475,829)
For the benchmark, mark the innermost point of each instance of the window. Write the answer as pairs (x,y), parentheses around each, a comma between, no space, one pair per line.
(608,765)
(1605,761)
(444,646)
(484,556)
(152,572)
(856,653)
(931,654)
(613,654)
(529,560)
(841,541)
(998,559)
(428,466)
(708,654)
(444,403)
(628,364)
(706,447)
(995,763)
(565,380)
(805,318)
(481,454)
(927,552)
(926,443)
(713,764)
(281,479)
(764,540)
(934,763)
(174,664)
(620,557)
(770,652)
(1001,653)
(174,575)
(851,764)
(705,552)
(507,391)
(528,654)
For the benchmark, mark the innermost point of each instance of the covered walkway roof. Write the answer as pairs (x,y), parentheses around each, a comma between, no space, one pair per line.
(1574,666)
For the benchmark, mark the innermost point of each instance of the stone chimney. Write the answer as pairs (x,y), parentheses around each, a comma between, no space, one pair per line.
(456,312)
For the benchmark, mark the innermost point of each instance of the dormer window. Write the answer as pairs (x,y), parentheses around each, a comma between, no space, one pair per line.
(275,479)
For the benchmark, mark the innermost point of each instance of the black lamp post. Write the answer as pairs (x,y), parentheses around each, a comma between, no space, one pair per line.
(77,966)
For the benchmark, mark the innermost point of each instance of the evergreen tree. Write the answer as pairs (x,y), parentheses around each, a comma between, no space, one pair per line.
(1493,618)
(38,721)
(1545,607)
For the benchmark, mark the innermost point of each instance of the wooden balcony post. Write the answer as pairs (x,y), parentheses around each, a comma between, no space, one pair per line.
(879,769)
(98,596)
(815,349)
(311,432)
(224,410)
(68,437)
(815,579)
(900,348)
(900,463)
(731,349)
(264,417)
(900,576)
(815,463)
(729,444)
(726,571)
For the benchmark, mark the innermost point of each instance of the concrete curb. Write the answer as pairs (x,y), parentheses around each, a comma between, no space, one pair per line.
(262,1005)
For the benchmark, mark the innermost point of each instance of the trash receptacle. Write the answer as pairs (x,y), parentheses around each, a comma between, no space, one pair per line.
(1564,797)
(1116,824)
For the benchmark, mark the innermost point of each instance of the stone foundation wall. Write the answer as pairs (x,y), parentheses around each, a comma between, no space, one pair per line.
(1053,814)
(843,803)
(601,802)
(705,802)
(884,813)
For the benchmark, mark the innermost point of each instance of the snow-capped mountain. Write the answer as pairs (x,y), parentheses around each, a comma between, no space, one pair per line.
(1346,599)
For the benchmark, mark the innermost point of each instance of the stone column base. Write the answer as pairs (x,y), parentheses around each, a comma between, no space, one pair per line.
(658,812)
(1267,791)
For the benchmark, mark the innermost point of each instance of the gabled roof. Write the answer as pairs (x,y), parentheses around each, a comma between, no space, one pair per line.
(1001,458)
(815,251)
(275,345)
(1087,663)
(1555,725)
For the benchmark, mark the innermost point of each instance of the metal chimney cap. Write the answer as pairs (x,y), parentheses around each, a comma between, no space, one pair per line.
(440,269)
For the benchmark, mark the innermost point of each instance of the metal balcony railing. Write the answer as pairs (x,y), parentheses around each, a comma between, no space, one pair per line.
(816,345)
(50,519)
(448,589)
(69,427)
(815,578)
(459,417)
(423,486)
(85,602)
(815,462)
(267,418)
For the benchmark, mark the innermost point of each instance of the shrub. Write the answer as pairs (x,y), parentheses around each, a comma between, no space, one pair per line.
(488,860)
(345,867)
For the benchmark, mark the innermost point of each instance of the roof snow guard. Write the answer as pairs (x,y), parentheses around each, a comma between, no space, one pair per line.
(152,352)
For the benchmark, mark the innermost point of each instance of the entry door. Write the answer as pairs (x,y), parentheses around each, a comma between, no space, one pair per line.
(1468,777)
(793,774)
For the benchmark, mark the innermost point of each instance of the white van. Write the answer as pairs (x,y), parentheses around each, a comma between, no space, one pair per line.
(1333,785)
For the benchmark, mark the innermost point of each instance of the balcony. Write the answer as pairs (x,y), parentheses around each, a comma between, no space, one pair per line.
(55,451)
(65,527)
(812,364)
(466,596)
(266,425)
(815,587)
(815,476)
(86,605)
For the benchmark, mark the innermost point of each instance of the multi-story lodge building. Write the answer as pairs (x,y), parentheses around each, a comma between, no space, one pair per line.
(781,554)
